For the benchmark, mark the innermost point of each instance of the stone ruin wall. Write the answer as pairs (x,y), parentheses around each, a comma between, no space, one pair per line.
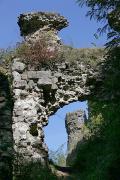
(74,122)
(37,94)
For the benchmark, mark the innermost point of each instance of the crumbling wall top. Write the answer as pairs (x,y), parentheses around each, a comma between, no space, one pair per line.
(31,22)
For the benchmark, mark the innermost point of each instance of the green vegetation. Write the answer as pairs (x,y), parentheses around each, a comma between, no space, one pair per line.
(6,141)
(107,11)
(40,54)
(42,51)
(34,171)
(98,156)
(89,56)
(58,157)
(5,91)
(6,57)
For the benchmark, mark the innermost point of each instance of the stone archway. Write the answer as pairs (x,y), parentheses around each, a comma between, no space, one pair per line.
(39,93)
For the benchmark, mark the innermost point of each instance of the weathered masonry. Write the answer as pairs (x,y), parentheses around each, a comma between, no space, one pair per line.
(39,92)
(74,122)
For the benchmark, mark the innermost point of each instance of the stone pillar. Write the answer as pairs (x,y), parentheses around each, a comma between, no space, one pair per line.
(27,117)
(32,88)
(74,123)
(6,139)
(33,25)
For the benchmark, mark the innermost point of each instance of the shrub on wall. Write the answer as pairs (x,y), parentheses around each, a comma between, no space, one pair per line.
(89,56)
(41,50)
(6,57)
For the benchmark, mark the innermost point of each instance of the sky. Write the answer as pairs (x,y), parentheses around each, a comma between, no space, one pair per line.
(79,33)
(55,132)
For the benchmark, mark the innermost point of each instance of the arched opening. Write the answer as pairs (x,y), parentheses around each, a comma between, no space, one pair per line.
(56,136)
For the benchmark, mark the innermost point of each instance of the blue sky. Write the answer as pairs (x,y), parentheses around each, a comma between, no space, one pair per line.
(55,132)
(80,33)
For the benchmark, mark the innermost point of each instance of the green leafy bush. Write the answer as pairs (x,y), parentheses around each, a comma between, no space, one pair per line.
(34,171)
(98,152)
(6,57)
(99,155)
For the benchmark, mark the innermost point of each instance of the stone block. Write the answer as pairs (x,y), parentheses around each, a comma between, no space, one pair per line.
(19,113)
(31,84)
(58,74)
(18,119)
(32,74)
(24,76)
(38,74)
(16,76)
(43,74)
(54,80)
(84,78)
(18,66)
(24,93)
(19,84)
(44,81)
(54,87)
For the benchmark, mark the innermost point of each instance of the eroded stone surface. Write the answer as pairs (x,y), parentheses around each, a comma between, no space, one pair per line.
(42,26)
(41,94)
(74,125)
(31,22)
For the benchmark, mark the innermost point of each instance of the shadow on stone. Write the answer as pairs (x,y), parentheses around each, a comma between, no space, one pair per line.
(6,137)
